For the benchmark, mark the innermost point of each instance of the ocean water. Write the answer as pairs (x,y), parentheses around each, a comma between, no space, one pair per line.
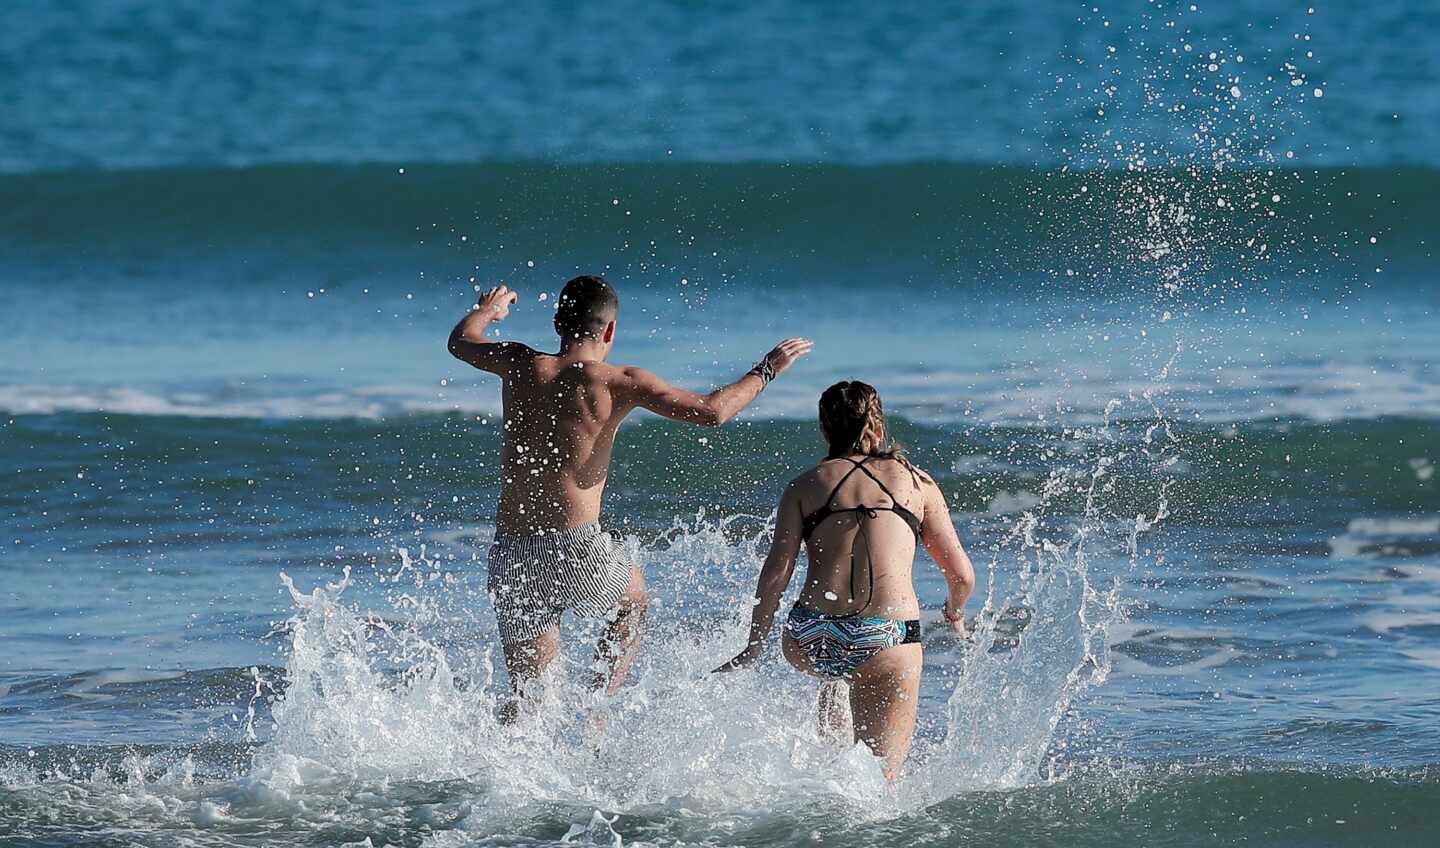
(1149,287)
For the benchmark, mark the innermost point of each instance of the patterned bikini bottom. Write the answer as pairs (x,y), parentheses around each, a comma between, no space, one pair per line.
(839,644)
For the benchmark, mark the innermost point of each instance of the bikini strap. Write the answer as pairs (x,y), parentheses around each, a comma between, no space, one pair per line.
(886,489)
(859,466)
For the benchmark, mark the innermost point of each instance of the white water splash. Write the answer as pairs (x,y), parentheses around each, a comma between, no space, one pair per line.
(1004,712)
(412,695)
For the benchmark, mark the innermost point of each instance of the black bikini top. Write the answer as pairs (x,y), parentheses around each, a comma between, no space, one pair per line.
(813,520)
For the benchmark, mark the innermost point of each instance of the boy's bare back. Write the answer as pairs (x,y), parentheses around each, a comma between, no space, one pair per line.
(561,416)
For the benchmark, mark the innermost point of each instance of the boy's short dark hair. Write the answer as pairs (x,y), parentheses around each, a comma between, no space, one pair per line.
(585,306)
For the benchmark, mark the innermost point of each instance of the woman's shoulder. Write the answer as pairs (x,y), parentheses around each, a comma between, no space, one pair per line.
(925,476)
(812,475)
(904,469)
(820,476)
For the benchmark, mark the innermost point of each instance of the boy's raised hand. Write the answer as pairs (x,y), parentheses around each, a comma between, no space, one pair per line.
(783,355)
(496,302)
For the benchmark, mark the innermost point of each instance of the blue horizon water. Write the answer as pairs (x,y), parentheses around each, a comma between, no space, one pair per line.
(120,84)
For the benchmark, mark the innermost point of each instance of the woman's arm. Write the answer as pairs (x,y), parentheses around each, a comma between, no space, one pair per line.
(774,577)
(937,530)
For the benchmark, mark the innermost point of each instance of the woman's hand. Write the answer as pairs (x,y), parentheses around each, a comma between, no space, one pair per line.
(956,617)
(744,659)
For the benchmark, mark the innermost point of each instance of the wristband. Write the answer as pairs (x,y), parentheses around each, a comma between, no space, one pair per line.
(764,370)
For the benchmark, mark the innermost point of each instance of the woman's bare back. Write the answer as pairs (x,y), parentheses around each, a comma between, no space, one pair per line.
(878,542)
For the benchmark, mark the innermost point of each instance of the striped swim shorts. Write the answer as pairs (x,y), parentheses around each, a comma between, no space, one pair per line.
(534,579)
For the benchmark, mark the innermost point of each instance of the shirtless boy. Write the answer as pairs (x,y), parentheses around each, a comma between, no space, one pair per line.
(562,411)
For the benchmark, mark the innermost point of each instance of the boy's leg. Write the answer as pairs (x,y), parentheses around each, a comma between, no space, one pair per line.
(526,660)
(615,652)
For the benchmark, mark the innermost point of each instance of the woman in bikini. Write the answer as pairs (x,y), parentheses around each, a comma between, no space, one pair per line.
(860,513)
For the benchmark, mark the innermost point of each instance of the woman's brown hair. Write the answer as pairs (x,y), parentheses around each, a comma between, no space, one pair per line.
(853,421)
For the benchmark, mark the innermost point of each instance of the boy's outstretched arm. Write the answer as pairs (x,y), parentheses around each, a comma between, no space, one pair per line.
(649,391)
(468,342)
